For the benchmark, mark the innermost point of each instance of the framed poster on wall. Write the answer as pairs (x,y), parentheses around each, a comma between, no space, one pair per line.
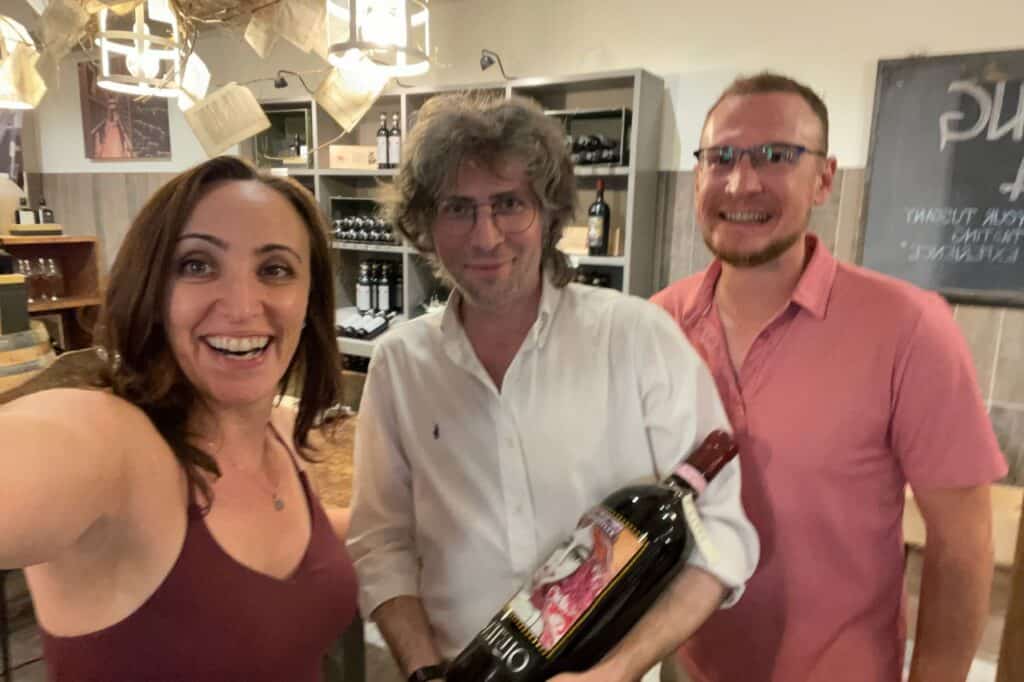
(944,201)
(119,127)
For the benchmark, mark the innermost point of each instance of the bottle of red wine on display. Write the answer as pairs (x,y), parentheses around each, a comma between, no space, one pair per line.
(394,143)
(595,586)
(382,142)
(598,221)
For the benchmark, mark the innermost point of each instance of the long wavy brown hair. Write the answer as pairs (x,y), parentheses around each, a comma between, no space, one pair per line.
(140,366)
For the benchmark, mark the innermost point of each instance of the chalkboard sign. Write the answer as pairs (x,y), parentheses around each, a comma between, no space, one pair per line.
(944,204)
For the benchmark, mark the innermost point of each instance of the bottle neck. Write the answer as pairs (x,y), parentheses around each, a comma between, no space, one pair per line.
(704,463)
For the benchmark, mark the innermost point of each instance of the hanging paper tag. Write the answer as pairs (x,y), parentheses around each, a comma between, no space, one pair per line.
(700,534)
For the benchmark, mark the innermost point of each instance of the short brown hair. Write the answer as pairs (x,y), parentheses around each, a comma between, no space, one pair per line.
(451,129)
(767,82)
(141,367)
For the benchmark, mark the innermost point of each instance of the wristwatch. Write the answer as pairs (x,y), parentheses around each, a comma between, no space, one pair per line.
(427,672)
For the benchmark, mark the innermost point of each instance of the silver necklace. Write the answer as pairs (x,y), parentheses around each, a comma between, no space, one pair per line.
(275,497)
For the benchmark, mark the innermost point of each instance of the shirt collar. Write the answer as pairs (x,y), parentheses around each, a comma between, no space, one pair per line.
(812,292)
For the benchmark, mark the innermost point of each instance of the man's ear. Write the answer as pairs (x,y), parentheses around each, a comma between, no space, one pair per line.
(825,181)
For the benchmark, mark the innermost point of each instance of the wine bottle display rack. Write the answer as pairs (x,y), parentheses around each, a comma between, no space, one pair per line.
(612,119)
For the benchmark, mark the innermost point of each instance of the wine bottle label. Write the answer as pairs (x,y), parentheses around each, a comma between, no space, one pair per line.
(363,297)
(595,231)
(382,151)
(577,575)
(394,150)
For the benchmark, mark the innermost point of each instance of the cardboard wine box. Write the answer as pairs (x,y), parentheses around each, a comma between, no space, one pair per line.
(353,157)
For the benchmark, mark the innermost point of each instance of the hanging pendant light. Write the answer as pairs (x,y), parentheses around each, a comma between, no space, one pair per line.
(140,52)
(393,34)
(21,86)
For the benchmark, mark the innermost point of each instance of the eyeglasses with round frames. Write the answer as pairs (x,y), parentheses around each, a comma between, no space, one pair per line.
(510,213)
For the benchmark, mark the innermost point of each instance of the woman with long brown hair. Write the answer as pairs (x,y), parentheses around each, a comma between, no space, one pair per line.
(166,524)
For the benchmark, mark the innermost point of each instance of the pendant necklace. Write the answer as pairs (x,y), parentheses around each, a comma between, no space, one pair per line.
(275,497)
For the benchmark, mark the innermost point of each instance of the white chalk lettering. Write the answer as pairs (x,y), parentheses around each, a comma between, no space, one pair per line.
(1016,188)
(1015,124)
(941,216)
(946,132)
(947,253)
(998,217)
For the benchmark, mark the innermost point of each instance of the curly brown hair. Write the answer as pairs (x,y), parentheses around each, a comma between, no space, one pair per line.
(140,366)
(487,129)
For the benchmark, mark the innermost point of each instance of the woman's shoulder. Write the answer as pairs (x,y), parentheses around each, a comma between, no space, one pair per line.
(91,407)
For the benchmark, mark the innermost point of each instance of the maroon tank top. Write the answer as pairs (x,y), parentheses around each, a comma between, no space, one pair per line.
(215,620)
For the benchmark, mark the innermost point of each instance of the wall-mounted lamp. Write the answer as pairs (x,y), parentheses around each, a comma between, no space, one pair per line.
(489,59)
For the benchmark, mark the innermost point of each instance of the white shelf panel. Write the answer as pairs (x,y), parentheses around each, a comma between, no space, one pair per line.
(341,173)
(601,169)
(373,248)
(360,347)
(608,261)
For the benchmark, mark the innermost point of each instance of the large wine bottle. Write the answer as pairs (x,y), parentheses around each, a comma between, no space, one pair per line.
(595,586)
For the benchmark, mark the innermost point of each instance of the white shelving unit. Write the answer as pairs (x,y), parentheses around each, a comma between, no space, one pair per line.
(629,188)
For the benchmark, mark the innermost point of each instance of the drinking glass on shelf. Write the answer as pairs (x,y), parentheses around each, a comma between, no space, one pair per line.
(41,280)
(54,279)
(25,268)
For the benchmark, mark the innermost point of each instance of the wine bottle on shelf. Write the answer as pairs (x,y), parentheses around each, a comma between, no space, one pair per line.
(394,143)
(374,278)
(382,142)
(384,288)
(598,223)
(44,214)
(396,290)
(363,288)
(24,215)
(595,586)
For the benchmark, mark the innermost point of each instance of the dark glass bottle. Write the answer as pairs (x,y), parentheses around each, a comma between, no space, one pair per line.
(382,142)
(394,143)
(363,301)
(44,214)
(396,290)
(384,288)
(374,279)
(598,223)
(591,591)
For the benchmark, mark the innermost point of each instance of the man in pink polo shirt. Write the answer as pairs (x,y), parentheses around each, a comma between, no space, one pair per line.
(843,386)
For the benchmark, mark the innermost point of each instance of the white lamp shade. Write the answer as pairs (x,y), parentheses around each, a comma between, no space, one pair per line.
(140,52)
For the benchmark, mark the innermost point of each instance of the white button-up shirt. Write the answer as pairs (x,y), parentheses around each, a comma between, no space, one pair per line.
(462,489)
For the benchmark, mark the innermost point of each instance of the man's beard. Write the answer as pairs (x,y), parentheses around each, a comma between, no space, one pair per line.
(739,259)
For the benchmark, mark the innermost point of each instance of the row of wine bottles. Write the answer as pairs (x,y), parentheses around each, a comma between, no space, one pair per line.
(590,149)
(365,229)
(23,215)
(595,586)
(379,287)
(389,142)
(593,278)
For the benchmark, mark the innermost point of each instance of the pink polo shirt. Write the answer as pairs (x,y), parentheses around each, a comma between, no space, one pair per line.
(861,385)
